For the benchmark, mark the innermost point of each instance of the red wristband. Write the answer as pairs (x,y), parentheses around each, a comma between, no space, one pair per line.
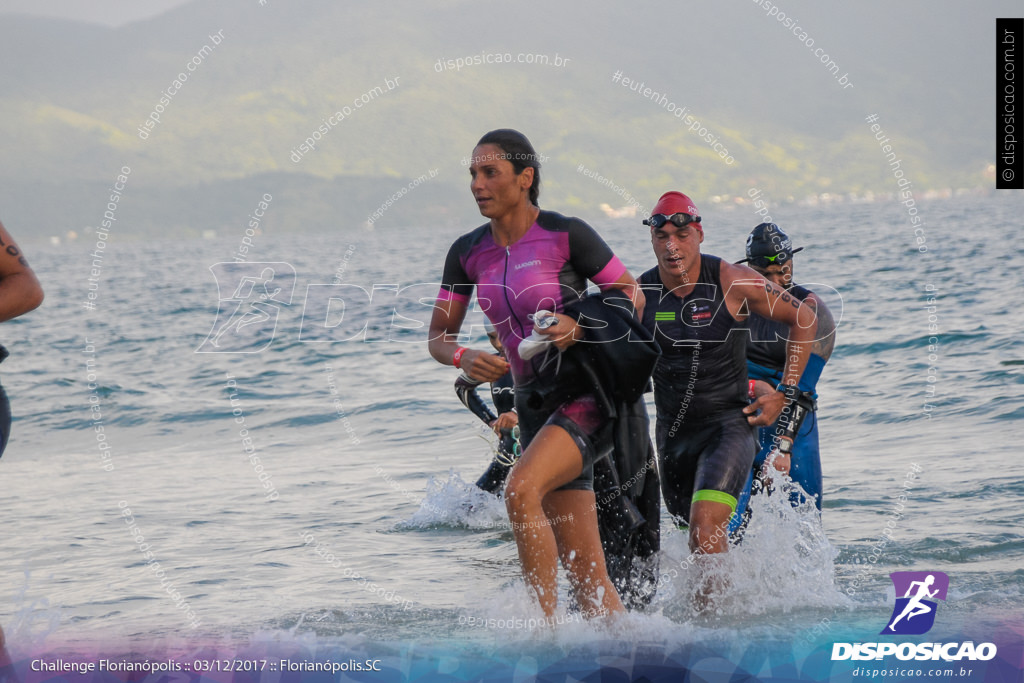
(457,358)
(750,389)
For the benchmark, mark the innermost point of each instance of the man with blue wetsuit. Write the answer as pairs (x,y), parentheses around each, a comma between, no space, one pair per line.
(696,308)
(793,438)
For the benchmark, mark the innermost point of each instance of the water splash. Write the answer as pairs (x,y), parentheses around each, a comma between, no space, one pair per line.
(34,621)
(453,502)
(783,563)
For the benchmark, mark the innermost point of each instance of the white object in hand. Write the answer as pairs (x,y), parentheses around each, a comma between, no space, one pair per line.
(537,342)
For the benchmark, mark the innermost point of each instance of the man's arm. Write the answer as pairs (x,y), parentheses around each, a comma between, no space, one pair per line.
(743,285)
(20,291)
(825,333)
(823,344)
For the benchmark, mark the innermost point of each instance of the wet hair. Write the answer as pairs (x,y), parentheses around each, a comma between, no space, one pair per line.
(519,152)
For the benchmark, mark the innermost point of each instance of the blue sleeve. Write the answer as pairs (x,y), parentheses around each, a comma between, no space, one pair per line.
(808,381)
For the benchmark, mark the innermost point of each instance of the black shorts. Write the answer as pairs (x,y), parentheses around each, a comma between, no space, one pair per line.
(580,417)
(706,459)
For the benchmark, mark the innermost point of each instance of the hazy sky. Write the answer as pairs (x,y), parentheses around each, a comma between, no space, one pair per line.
(68,114)
(105,12)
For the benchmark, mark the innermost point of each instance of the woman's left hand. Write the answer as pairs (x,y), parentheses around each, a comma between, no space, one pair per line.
(564,334)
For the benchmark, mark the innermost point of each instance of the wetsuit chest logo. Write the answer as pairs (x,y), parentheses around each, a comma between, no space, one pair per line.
(697,314)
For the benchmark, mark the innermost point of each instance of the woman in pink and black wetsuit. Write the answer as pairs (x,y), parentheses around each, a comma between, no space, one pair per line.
(523,261)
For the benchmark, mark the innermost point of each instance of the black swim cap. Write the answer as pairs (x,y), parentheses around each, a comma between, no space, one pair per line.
(767,244)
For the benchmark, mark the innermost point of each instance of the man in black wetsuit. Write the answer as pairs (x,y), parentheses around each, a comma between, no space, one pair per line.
(696,304)
(504,398)
(794,436)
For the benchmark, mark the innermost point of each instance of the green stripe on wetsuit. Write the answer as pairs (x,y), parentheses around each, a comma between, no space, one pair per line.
(715,496)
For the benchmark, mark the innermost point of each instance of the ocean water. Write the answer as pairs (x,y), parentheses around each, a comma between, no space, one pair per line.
(357,531)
